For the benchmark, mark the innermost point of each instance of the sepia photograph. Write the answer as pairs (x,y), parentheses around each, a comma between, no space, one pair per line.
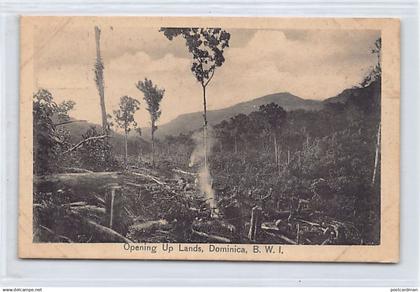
(209,138)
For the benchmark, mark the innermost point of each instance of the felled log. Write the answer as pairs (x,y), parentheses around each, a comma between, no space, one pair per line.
(100,232)
(282,237)
(149,225)
(88,209)
(82,181)
(209,237)
(54,235)
(77,170)
(75,204)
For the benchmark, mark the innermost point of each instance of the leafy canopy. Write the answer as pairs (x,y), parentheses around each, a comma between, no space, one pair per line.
(124,116)
(274,115)
(206,46)
(48,140)
(153,96)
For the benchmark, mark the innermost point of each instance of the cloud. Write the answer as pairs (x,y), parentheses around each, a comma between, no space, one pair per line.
(313,64)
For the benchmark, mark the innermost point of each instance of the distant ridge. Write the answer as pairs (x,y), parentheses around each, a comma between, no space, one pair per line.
(186,123)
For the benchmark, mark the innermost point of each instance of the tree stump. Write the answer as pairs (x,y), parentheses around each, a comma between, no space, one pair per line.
(255,224)
(112,199)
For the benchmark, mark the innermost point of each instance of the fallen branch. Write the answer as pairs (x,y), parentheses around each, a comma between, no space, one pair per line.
(77,170)
(134,185)
(209,237)
(84,141)
(88,209)
(69,122)
(185,172)
(148,177)
(309,222)
(99,199)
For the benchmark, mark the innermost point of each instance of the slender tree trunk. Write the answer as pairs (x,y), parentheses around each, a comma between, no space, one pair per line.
(276,156)
(99,78)
(153,147)
(279,160)
(378,145)
(126,148)
(236,145)
(205,126)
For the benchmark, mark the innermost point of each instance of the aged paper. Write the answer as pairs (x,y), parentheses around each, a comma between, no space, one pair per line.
(239,139)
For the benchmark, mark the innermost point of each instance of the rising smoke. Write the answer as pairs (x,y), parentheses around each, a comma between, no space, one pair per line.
(197,160)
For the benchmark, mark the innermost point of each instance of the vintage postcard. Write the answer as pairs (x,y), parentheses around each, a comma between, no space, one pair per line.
(206,138)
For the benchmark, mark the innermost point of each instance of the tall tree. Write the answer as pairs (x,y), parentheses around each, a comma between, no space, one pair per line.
(124,117)
(99,78)
(274,116)
(238,126)
(153,96)
(207,47)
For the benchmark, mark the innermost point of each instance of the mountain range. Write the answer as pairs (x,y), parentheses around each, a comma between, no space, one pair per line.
(186,123)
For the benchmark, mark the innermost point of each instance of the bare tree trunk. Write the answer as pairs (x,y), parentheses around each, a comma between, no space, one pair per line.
(126,148)
(236,145)
(205,126)
(153,147)
(99,78)
(276,155)
(279,160)
(378,145)
(111,208)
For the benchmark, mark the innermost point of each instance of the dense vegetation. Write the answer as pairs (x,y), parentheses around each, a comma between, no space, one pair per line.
(314,174)
(326,157)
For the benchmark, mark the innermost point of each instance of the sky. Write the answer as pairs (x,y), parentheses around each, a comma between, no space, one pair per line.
(312,64)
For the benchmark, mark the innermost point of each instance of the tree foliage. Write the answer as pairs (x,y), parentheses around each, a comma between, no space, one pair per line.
(206,45)
(124,116)
(49,140)
(152,96)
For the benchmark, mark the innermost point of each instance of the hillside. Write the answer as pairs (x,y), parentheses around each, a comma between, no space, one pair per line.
(186,123)
(79,128)
(192,121)
(356,94)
